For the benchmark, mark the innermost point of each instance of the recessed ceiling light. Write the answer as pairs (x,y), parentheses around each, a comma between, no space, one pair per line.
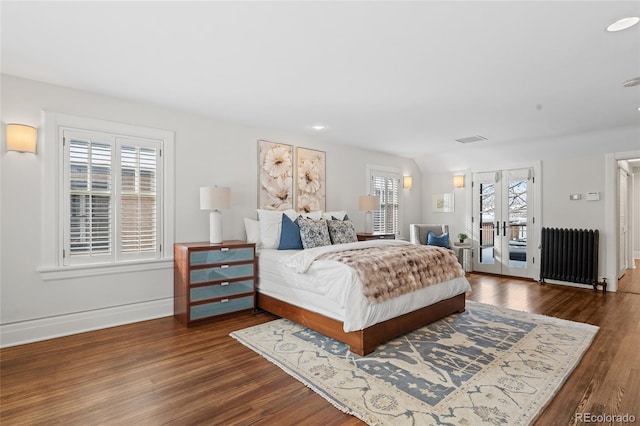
(623,24)
(318,127)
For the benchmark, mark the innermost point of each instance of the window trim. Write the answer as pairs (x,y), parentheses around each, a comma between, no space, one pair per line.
(392,172)
(52,225)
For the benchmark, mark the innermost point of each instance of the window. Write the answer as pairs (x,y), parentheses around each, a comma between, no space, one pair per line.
(107,197)
(386,185)
(111,197)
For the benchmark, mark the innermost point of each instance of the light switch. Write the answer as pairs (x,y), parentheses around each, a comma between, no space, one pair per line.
(575,197)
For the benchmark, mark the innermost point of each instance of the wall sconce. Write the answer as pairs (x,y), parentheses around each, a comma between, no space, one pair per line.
(407,182)
(458,181)
(213,199)
(368,203)
(21,138)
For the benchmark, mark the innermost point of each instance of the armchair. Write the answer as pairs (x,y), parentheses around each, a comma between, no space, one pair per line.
(418,233)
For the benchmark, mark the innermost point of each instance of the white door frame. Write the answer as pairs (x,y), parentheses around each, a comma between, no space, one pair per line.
(534,236)
(623,220)
(610,249)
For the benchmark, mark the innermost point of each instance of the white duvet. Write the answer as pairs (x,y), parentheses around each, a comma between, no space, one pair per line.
(334,289)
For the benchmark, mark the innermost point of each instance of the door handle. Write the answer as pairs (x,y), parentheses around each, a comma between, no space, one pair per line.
(498,229)
(504,228)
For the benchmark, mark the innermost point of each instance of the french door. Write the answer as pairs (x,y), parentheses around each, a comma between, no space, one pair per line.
(502,219)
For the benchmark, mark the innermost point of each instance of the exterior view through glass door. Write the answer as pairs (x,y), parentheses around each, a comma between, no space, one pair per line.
(502,218)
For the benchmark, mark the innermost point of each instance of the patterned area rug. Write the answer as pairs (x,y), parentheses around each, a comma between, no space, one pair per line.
(487,365)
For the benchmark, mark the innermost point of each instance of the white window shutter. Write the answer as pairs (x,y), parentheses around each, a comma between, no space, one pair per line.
(90,204)
(386,219)
(138,199)
(112,198)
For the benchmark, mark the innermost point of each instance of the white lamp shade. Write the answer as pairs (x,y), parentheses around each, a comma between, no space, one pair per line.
(407,182)
(215,198)
(21,138)
(369,202)
(458,181)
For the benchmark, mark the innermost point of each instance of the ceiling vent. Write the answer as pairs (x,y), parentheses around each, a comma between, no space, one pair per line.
(470,139)
(631,83)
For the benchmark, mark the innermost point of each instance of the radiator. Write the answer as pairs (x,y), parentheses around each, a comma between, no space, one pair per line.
(570,255)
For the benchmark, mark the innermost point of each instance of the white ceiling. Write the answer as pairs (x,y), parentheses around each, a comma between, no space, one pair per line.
(401,77)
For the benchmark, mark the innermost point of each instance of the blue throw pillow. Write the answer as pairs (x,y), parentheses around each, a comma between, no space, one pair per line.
(289,235)
(438,240)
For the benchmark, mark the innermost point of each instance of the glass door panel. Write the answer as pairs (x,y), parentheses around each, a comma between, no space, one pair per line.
(487,207)
(487,252)
(516,231)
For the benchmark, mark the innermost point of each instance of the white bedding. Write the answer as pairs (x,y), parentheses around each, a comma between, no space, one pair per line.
(334,289)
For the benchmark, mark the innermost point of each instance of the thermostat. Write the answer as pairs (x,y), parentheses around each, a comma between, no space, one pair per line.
(593,196)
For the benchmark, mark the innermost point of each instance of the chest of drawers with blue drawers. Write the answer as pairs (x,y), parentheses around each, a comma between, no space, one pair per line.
(213,280)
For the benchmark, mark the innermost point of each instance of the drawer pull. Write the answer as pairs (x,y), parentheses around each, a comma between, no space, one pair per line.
(224,249)
(224,266)
(225,283)
(224,300)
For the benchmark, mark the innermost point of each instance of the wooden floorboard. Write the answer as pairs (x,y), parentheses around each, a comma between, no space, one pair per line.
(158,372)
(630,281)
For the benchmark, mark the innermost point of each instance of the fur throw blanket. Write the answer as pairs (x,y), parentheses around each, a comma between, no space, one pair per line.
(388,272)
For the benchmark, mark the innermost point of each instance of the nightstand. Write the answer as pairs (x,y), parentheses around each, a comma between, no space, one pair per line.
(466,255)
(213,280)
(363,236)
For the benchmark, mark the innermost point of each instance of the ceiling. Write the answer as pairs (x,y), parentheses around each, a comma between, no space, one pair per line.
(406,78)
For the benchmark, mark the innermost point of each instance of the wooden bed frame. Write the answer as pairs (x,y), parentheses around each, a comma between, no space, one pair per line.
(363,342)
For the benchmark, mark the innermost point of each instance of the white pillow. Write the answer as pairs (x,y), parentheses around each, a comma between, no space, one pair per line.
(311,215)
(270,224)
(338,214)
(252,228)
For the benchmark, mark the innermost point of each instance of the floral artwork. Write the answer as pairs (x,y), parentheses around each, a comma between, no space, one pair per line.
(310,180)
(275,176)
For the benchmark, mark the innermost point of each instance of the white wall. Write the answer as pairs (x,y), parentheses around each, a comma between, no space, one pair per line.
(568,159)
(560,178)
(573,176)
(495,156)
(442,183)
(636,212)
(208,152)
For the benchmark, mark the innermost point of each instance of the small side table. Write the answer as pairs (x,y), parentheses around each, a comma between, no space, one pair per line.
(363,236)
(466,255)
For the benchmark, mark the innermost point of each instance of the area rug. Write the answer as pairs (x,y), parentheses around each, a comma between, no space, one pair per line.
(487,365)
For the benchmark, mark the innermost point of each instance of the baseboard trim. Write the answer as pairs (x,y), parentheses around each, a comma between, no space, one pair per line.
(582,286)
(29,331)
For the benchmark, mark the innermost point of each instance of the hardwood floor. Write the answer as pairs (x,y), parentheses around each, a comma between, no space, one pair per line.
(158,372)
(630,281)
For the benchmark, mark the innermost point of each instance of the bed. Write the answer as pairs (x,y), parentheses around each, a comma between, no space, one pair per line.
(327,296)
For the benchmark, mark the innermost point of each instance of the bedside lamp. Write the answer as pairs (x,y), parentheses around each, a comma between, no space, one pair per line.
(213,199)
(368,203)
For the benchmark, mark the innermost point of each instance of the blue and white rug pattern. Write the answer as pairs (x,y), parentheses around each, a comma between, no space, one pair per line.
(487,365)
